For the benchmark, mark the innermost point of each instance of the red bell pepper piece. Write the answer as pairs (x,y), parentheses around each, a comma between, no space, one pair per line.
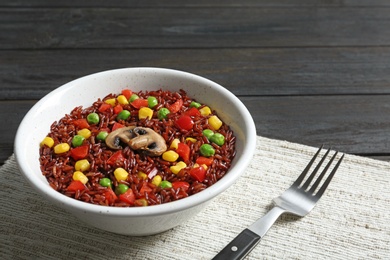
(193,111)
(104,107)
(175,107)
(185,122)
(128,197)
(116,126)
(76,186)
(81,123)
(117,109)
(180,184)
(127,93)
(116,157)
(145,189)
(204,160)
(79,152)
(110,196)
(198,173)
(139,102)
(183,150)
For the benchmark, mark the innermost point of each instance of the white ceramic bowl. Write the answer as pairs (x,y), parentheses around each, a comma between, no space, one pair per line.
(137,221)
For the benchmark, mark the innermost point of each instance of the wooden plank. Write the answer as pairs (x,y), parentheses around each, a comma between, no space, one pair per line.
(201,27)
(11,114)
(310,120)
(192,4)
(268,71)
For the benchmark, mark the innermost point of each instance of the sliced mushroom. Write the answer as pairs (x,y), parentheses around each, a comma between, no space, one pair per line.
(124,134)
(148,140)
(138,138)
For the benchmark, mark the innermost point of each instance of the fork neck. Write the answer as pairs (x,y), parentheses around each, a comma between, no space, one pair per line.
(263,224)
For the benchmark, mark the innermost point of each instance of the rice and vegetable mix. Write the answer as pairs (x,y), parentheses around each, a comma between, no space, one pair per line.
(137,149)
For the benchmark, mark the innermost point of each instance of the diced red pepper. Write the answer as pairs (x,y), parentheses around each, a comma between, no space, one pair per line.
(80,152)
(204,160)
(139,102)
(76,186)
(81,123)
(198,173)
(116,126)
(127,93)
(128,197)
(175,107)
(180,184)
(104,107)
(116,157)
(183,150)
(145,189)
(193,111)
(117,109)
(185,122)
(110,196)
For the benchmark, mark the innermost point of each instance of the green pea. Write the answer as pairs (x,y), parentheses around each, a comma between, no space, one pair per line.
(207,150)
(93,118)
(195,104)
(123,115)
(163,113)
(133,97)
(208,133)
(102,136)
(77,140)
(152,102)
(121,188)
(218,139)
(165,185)
(105,182)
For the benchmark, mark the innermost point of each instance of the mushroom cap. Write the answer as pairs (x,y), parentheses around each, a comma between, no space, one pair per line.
(138,138)
(124,134)
(148,140)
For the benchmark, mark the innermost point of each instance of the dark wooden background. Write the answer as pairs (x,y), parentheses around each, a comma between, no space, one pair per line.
(310,72)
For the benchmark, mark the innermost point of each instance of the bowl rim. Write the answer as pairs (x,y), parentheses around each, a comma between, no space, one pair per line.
(162,209)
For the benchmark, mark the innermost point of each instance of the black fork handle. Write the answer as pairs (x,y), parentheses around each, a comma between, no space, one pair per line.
(239,247)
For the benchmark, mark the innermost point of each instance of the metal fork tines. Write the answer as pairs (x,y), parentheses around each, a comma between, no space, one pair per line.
(299,200)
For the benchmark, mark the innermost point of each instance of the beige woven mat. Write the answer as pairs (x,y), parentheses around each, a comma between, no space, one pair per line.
(351,221)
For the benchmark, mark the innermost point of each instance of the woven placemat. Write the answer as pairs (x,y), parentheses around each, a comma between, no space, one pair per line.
(351,221)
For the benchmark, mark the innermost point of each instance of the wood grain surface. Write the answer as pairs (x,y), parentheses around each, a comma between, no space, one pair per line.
(310,72)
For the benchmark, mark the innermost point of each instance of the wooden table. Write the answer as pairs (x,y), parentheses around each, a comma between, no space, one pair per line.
(310,72)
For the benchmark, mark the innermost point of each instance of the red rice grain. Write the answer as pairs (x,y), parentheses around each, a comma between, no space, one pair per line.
(58,169)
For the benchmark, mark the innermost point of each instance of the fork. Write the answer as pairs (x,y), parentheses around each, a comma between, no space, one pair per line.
(299,200)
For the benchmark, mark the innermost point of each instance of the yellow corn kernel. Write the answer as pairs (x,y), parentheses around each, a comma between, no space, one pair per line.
(61,148)
(79,176)
(215,122)
(170,156)
(205,111)
(142,175)
(174,143)
(191,139)
(145,112)
(120,174)
(111,101)
(156,180)
(176,168)
(122,100)
(82,165)
(84,133)
(48,141)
